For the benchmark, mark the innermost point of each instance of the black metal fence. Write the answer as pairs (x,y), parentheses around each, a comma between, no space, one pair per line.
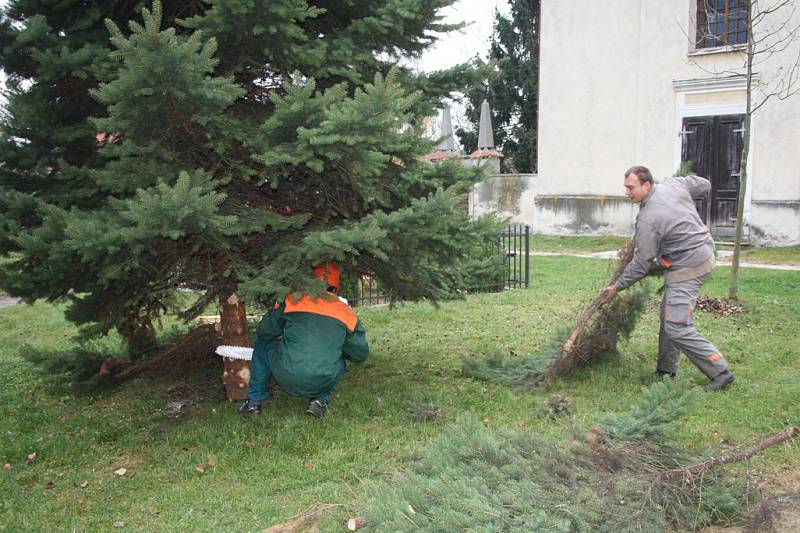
(514,244)
(368,292)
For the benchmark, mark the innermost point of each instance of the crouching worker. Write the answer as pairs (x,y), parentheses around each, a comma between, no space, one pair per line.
(303,344)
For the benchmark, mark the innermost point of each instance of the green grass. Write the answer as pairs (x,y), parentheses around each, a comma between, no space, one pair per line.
(576,244)
(268,469)
(775,255)
(590,244)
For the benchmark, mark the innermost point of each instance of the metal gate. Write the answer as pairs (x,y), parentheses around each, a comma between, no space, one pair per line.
(515,240)
(514,244)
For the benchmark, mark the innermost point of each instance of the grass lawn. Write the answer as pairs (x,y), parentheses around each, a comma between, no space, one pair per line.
(192,464)
(775,255)
(575,244)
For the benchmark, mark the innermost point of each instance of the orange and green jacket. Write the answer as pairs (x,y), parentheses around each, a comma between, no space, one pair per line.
(315,336)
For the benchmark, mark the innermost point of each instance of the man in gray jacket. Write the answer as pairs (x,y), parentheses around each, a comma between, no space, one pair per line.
(669,229)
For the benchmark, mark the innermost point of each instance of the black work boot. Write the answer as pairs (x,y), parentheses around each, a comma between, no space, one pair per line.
(249,407)
(661,374)
(721,380)
(317,408)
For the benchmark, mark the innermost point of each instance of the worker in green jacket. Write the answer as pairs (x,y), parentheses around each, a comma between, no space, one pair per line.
(303,344)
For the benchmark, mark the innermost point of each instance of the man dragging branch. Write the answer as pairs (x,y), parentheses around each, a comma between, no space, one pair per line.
(669,230)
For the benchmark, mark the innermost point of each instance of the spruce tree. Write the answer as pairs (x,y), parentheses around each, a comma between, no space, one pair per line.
(229,150)
(53,54)
(511,87)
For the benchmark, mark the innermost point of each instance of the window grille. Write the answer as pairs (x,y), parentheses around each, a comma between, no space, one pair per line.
(721,22)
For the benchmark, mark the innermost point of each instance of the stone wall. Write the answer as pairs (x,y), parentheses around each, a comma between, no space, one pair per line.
(515,197)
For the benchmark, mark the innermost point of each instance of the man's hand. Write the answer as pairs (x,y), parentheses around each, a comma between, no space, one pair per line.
(608,293)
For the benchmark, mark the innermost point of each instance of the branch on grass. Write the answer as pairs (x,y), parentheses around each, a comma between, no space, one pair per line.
(703,466)
(311,518)
(193,347)
(625,257)
(582,321)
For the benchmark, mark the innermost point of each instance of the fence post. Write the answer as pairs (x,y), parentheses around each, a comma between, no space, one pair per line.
(527,256)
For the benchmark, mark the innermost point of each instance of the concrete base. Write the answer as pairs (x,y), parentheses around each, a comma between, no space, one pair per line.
(515,197)
(584,215)
(775,223)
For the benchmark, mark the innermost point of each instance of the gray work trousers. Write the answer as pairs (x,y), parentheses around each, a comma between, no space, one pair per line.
(678,334)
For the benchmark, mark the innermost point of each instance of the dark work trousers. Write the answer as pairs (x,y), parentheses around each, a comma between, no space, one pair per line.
(261,369)
(678,334)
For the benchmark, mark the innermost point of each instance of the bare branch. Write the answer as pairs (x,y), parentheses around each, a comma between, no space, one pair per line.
(765,12)
(716,72)
(777,438)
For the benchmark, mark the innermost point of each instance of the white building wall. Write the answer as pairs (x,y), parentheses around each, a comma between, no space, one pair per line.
(609,99)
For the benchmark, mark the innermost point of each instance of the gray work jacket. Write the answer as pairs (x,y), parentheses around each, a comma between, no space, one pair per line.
(669,227)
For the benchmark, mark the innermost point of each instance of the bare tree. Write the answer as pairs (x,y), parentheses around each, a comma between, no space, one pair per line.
(771,31)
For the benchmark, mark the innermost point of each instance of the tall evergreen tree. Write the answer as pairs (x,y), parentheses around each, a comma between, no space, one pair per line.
(511,88)
(53,54)
(230,152)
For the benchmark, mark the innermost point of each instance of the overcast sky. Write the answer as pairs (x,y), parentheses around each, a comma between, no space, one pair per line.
(459,46)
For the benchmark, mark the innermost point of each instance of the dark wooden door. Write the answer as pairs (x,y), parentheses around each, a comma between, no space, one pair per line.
(714,146)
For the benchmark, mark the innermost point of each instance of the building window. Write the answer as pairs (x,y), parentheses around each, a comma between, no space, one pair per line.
(721,22)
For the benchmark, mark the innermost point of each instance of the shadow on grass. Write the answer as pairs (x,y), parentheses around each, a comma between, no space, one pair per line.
(89,366)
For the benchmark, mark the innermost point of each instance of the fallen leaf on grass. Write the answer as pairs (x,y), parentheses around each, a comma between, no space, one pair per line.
(203,468)
(354,524)
(83,484)
(121,471)
(50,485)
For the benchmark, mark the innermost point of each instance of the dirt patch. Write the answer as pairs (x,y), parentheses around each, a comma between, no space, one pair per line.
(776,514)
(183,401)
(779,513)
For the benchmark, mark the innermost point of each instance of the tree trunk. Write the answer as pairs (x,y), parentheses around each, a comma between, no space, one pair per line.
(733,291)
(233,318)
(140,335)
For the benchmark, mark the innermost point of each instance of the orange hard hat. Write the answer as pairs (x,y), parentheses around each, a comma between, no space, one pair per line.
(329,273)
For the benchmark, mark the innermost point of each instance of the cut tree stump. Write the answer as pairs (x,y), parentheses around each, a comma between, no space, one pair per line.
(233,322)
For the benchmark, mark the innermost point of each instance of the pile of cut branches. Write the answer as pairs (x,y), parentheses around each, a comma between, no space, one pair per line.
(719,306)
(628,474)
(595,334)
